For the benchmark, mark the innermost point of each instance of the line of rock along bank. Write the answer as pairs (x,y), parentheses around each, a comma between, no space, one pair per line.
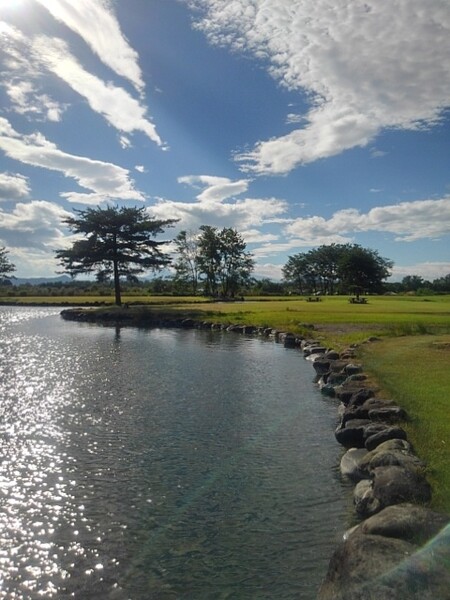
(400,549)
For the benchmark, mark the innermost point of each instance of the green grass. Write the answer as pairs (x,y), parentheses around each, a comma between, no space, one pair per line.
(415,372)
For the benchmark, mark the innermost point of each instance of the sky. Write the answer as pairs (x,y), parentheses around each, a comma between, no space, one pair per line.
(297,122)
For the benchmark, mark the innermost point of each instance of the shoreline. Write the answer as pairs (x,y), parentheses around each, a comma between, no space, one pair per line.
(391,491)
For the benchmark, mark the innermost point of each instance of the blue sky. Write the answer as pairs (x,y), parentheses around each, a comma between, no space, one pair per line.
(297,122)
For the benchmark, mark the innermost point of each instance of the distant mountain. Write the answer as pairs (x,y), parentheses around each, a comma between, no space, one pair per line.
(40,280)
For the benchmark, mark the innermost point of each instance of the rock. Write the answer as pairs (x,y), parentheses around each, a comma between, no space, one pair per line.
(352,369)
(388,433)
(352,434)
(361,396)
(395,485)
(363,411)
(383,456)
(328,390)
(322,365)
(365,502)
(336,378)
(350,463)
(357,377)
(373,567)
(332,355)
(387,413)
(311,350)
(408,522)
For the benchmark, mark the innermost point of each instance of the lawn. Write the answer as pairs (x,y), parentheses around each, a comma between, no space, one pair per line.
(415,372)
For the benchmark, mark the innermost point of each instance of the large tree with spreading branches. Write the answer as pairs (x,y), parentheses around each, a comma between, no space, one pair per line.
(117,243)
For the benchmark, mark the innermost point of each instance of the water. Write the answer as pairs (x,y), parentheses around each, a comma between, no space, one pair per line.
(158,464)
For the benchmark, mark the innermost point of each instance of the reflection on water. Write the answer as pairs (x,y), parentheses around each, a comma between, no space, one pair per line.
(160,464)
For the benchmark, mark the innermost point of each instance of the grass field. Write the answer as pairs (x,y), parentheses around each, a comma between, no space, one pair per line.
(410,363)
(415,371)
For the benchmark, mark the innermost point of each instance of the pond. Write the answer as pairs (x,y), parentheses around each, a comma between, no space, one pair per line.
(140,464)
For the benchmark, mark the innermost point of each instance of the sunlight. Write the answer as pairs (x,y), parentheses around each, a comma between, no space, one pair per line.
(11,4)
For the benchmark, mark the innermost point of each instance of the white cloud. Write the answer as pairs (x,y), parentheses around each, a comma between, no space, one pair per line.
(366,66)
(96,23)
(36,224)
(428,270)
(141,169)
(114,103)
(105,180)
(26,100)
(408,221)
(13,187)
(217,205)
(216,188)
(29,58)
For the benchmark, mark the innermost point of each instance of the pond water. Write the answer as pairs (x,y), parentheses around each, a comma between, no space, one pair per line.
(160,464)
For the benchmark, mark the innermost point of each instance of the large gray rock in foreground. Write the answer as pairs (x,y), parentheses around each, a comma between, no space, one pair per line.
(407,522)
(373,567)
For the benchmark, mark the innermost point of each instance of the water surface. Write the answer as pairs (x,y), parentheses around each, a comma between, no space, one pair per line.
(158,464)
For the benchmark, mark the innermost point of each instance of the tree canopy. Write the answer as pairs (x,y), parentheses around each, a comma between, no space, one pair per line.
(117,243)
(7,268)
(218,258)
(334,268)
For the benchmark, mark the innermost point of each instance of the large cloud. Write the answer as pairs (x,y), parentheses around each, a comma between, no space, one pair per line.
(36,225)
(104,180)
(216,204)
(366,65)
(408,221)
(96,23)
(29,59)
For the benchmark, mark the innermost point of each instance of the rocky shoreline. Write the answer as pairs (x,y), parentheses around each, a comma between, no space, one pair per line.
(400,549)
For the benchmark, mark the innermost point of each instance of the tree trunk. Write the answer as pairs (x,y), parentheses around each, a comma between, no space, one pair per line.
(118,297)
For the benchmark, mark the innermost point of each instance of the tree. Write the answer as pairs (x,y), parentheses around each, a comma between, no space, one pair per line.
(186,266)
(223,261)
(118,242)
(348,267)
(361,269)
(7,268)
(412,283)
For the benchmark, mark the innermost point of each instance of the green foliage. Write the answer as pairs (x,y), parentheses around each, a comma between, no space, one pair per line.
(220,261)
(187,263)
(7,268)
(118,242)
(348,268)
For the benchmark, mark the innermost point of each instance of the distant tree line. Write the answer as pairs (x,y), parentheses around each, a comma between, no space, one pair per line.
(337,269)
(118,244)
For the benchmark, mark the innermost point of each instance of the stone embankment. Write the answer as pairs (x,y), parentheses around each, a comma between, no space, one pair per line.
(400,549)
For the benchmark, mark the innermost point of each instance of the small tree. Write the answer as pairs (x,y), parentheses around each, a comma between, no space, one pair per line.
(223,261)
(118,242)
(186,265)
(7,268)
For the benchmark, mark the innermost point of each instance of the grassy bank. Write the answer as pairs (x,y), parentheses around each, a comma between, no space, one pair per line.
(415,371)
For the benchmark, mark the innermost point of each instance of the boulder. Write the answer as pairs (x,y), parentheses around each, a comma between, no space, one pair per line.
(373,567)
(408,522)
(387,413)
(364,500)
(395,485)
(352,434)
(383,434)
(350,463)
(385,455)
